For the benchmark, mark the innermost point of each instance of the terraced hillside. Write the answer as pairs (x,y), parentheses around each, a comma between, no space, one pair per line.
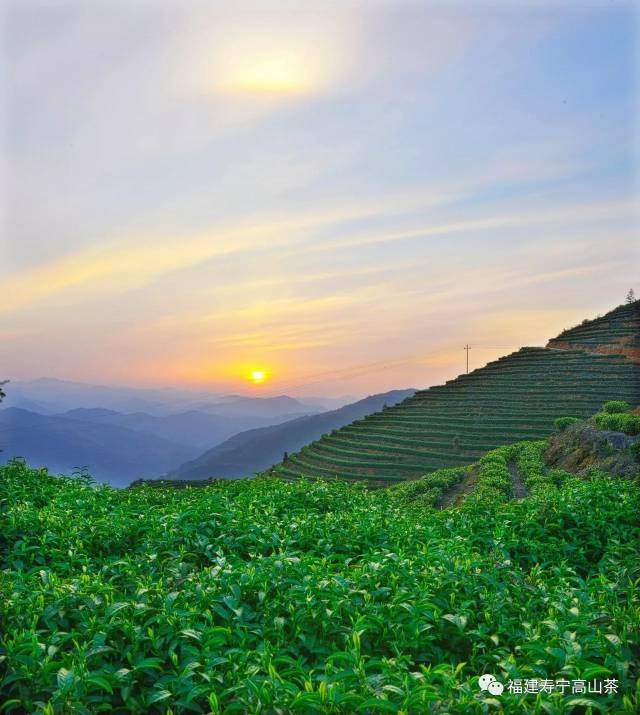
(615,332)
(514,398)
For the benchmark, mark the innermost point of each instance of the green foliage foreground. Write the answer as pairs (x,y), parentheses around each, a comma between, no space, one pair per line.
(274,597)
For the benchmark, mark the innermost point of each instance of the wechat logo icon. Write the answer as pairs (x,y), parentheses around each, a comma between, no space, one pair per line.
(488,682)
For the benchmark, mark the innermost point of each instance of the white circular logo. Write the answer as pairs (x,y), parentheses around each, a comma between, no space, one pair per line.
(495,688)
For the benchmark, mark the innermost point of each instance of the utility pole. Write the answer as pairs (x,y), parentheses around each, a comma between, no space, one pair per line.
(467,347)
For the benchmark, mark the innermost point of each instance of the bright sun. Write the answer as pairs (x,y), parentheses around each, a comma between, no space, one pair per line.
(274,75)
(258,376)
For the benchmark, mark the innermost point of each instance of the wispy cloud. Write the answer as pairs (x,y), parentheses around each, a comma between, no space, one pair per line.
(577,213)
(126,262)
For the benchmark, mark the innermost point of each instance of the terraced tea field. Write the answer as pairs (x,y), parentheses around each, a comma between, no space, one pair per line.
(514,398)
(617,331)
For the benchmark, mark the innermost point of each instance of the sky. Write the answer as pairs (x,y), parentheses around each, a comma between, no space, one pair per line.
(340,195)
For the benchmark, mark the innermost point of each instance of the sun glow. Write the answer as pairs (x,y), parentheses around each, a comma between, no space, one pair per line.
(257,376)
(280,58)
(278,75)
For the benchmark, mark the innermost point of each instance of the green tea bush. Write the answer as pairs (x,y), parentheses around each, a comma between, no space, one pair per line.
(267,596)
(557,477)
(531,466)
(494,478)
(561,423)
(427,490)
(615,406)
(618,422)
(635,450)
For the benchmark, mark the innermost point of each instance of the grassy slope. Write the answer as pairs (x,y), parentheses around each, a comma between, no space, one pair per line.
(317,597)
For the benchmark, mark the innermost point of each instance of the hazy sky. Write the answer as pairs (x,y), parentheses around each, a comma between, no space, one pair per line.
(339,194)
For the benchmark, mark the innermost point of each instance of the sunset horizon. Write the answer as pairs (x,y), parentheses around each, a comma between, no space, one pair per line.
(305,192)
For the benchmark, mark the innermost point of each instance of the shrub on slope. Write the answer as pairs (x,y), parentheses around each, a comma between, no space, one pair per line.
(618,422)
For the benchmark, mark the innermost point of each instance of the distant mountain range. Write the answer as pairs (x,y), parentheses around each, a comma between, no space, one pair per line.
(123,434)
(270,407)
(197,429)
(257,449)
(118,447)
(112,453)
(49,396)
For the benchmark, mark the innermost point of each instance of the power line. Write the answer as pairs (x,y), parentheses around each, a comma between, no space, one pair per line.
(496,347)
(369,367)
(352,371)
